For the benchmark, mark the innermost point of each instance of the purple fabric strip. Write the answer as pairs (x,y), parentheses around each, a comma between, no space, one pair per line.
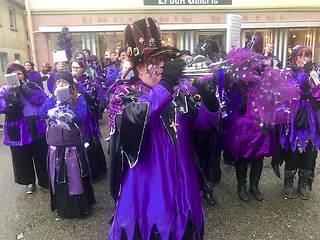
(73,171)
(220,83)
(24,134)
(52,165)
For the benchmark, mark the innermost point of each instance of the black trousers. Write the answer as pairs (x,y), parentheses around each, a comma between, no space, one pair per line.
(208,153)
(31,160)
(304,160)
(96,157)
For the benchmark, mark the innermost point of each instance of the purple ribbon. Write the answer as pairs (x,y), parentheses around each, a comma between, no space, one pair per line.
(73,170)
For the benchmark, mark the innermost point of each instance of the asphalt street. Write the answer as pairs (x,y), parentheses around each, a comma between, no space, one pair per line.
(29,217)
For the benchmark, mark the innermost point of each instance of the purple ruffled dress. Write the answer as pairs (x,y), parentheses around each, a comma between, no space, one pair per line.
(270,99)
(245,139)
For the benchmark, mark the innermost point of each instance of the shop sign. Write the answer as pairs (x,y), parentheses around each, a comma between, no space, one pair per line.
(187,2)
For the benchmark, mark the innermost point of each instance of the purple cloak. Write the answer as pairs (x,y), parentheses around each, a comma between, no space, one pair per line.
(161,185)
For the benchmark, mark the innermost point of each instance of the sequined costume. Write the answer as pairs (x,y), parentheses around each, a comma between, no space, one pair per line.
(259,97)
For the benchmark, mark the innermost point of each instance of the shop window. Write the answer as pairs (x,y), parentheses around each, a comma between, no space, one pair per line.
(307,37)
(17,57)
(302,36)
(255,40)
(100,44)
(109,41)
(3,61)
(211,44)
(12,18)
(216,36)
(170,38)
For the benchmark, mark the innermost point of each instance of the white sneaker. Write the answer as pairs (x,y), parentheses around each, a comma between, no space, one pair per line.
(30,188)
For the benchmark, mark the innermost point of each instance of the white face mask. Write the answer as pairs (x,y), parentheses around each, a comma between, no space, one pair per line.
(146,76)
(125,66)
(151,68)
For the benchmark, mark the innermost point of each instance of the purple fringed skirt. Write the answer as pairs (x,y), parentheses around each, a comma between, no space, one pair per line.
(245,139)
(289,136)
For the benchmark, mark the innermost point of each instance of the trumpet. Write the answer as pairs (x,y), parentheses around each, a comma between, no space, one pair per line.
(196,68)
(314,75)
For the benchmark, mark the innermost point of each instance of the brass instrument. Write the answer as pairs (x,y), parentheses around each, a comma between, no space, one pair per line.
(198,67)
(314,75)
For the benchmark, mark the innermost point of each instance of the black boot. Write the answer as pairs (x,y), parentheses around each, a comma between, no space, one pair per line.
(241,173)
(255,174)
(288,183)
(243,193)
(310,180)
(208,196)
(303,188)
(208,193)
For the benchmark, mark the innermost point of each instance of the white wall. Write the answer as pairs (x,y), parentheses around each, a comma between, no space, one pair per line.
(12,41)
(41,5)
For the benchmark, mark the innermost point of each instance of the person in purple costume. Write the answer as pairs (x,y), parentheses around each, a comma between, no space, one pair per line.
(95,97)
(245,141)
(113,70)
(254,94)
(93,62)
(71,189)
(24,131)
(151,119)
(93,67)
(33,75)
(50,81)
(301,138)
(270,58)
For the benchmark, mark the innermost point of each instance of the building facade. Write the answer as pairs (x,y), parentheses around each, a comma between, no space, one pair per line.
(98,25)
(14,38)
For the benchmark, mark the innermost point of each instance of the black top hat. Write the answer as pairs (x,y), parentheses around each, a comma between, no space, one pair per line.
(143,38)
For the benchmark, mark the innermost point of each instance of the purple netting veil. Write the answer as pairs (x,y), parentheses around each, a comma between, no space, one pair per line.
(272,98)
(245,65)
